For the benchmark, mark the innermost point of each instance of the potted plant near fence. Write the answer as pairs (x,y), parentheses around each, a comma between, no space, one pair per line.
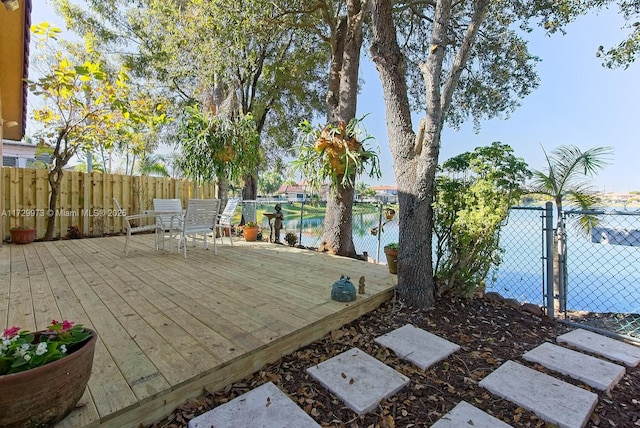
(43,374)
(22,234)
(250,231)
(391,251)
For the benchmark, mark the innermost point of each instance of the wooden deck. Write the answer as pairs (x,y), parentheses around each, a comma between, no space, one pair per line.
(167,327)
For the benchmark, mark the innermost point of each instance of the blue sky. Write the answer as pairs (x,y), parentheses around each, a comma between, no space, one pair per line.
(578,102)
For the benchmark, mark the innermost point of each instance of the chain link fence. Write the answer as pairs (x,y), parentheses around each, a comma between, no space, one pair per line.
(602,267)
(371,229)
(520,274)
(603,271)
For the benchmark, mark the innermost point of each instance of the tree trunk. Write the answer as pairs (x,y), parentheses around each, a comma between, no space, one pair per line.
(415,271)
(250,189)
(55,178)
(415,158)
(341,104)
(339,208)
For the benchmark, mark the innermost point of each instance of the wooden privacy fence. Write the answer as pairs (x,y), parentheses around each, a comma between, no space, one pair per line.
(86,199)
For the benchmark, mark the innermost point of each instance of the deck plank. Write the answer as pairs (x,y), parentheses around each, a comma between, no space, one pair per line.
(168,326)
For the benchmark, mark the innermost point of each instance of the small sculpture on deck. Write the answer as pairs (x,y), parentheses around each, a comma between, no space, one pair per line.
(343,290)
(361,285)
(274,235)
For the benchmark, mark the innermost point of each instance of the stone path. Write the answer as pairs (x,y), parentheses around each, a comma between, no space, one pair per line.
(598,344)
(551,399)
(418,346)
(358,379)
(466,415)
(263,407)
(361,382)
(599,374)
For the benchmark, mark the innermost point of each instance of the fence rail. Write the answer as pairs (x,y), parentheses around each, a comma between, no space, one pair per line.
(85,200)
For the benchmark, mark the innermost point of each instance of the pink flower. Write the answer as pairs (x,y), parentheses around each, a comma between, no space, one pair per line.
(10,332)
(54,322)
(67,325)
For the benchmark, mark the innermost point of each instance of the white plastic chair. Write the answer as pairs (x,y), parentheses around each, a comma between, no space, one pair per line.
(224,219)
(172,208)
(199,219)
(130,229)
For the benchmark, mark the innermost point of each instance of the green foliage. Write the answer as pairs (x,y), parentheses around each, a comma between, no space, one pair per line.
(335,153)
(197,51)
(269,183)
(215,146)
(627,51)
(365,191)
(392,246)
(21,350)
(473,195)
(291,239)
(85,106)
(567,178)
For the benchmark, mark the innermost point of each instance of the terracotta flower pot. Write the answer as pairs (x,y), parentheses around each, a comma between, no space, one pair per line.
(45,395)
(392,259)
(250,233)
(22,236)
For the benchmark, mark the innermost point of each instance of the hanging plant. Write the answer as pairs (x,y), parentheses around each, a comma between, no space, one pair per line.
(335,152)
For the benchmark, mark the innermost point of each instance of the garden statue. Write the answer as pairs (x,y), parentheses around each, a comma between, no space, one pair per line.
(361,285)
(274,235)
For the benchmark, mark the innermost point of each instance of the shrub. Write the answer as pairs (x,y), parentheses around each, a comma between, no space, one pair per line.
(73,232)
(291,239)
(472,198)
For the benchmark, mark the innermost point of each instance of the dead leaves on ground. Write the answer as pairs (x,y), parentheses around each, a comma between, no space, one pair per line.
(489,334)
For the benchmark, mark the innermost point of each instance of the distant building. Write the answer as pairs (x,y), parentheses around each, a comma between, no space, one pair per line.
(21,155)
(302,192)
(386,194)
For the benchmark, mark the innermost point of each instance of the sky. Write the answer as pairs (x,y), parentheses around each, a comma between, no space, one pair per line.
(578,102)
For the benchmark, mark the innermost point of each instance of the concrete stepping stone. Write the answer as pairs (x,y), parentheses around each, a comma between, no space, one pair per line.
(597,373)
(418,346)
(553,400)
(358,379)
(466,415)
(612,349)
(264,407)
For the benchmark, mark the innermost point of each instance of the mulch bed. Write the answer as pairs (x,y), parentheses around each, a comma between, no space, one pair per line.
(489,334)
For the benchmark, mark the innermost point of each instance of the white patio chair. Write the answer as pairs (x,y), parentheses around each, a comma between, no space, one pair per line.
(141,218)
(225,218)
(172,208)
(199,219)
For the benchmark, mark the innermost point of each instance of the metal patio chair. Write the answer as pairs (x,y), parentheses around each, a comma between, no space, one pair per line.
(225,217)
(198,222)
(133,224)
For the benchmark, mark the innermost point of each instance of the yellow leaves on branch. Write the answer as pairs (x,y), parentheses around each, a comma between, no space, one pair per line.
(45,115)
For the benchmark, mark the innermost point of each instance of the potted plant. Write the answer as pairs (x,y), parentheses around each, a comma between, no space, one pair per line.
(43,374)
(250,231)
(391,251)
(389,213)
(22,234)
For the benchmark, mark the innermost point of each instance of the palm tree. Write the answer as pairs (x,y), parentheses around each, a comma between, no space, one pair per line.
(567,178)
(151,164)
